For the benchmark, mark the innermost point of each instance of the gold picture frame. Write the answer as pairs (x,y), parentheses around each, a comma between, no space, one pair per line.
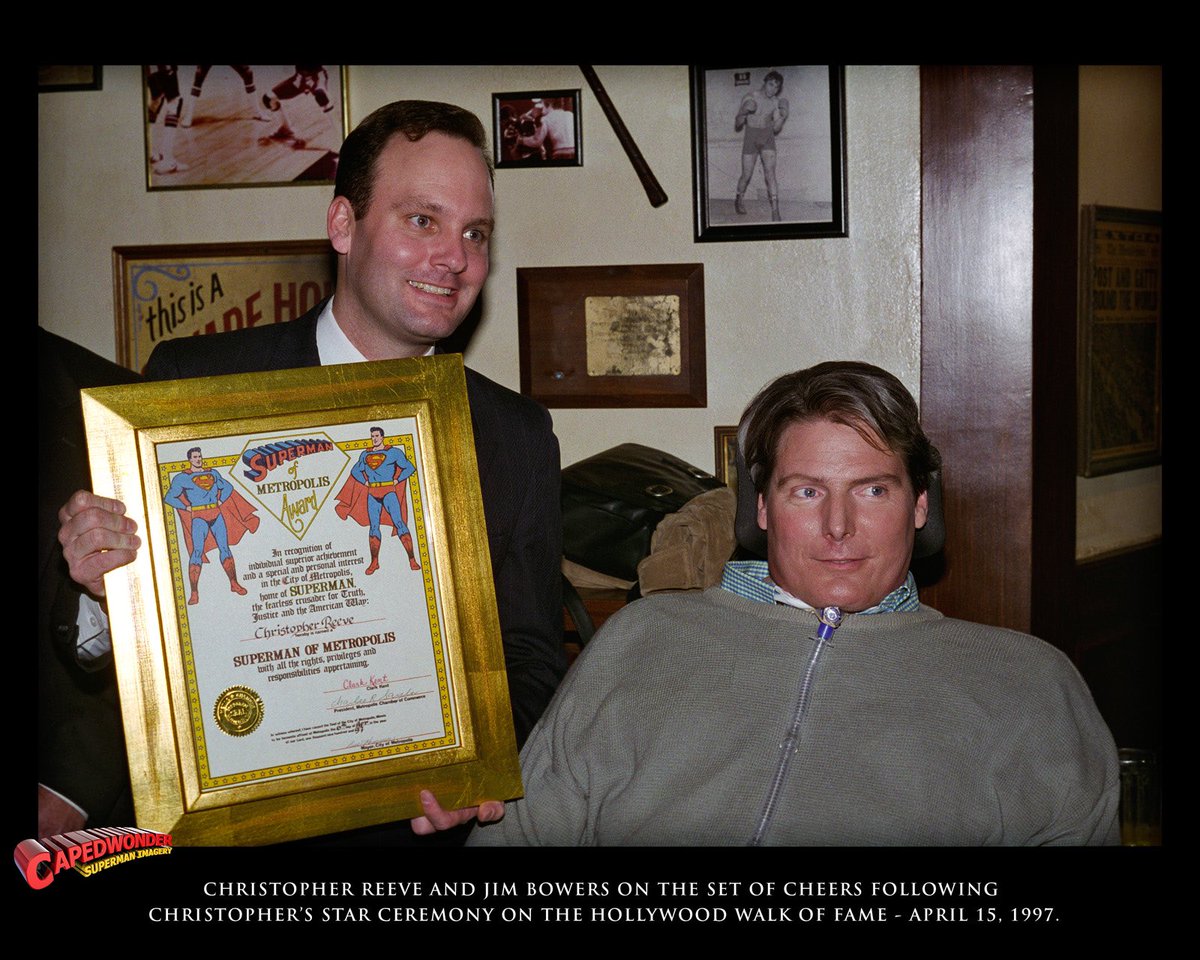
(292,694)
(725,455)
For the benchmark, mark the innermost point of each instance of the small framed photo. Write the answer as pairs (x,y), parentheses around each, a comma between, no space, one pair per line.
(769,152)
(309,636)
(537,129)
(1120,340)
(725,455)
(181,290)
(613,336)
(243,126)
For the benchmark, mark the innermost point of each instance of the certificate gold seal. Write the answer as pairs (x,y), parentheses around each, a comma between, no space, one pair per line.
(238,711)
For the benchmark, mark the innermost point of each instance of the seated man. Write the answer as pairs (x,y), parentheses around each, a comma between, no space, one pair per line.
(811,698)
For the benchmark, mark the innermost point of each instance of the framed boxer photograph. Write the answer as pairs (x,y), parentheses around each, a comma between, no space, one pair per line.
(768,152)
(243,126)
(537,129)
(309,636)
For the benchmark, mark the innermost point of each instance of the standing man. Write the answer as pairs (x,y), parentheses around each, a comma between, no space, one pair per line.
(198,493)
(382,472)
(83,773)
(244,71)
(309,79)
(411,221)
(163,82)
(762,114)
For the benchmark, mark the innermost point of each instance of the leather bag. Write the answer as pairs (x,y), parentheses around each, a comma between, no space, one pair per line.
(612,502)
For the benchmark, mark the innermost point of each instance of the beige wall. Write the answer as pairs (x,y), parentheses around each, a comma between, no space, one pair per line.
(771,306)
(1120,165)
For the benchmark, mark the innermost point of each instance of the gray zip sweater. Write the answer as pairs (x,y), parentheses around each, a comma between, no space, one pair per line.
(914,730)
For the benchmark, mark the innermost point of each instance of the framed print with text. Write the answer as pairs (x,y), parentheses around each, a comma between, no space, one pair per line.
(1120,340)
(309,636)
(181,290)
(769,152)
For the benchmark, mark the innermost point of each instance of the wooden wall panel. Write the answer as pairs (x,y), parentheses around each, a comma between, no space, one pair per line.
(1055,297)
(976,331)
(999,247)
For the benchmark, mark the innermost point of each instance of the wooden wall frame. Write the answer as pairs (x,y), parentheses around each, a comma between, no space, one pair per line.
(563,320)
(998,338)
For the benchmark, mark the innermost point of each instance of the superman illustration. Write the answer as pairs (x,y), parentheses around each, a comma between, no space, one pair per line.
(213,515)
(377,483)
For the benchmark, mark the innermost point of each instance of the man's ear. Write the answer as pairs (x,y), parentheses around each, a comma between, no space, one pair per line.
(762,513)
(921,510)
(339,223)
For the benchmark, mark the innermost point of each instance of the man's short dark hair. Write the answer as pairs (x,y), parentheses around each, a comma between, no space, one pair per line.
(194,450)
(412,118)
(858,395)
(378,430)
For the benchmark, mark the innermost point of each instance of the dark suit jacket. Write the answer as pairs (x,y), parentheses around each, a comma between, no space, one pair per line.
(81,745)
(518,473)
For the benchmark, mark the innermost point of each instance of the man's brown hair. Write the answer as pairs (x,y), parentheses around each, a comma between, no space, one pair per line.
(858,395)
(412,118)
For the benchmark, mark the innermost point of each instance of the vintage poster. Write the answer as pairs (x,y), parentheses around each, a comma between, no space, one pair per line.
(1120,368)
(175,291)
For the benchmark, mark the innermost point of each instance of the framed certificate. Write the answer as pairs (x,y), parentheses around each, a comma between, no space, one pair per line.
(308,636)
(613,336)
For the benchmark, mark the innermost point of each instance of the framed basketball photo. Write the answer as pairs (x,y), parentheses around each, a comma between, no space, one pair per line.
(242,126)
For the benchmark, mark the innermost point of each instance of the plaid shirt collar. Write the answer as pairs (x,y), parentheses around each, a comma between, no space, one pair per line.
(751,580)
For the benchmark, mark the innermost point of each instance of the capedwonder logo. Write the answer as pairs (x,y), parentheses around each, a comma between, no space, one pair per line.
(87,851)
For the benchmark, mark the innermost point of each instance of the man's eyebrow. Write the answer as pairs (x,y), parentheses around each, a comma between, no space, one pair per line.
(824,481)
(433,206)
